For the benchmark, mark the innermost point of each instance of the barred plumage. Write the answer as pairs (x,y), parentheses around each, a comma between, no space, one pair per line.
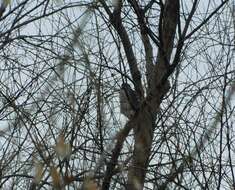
(129,102)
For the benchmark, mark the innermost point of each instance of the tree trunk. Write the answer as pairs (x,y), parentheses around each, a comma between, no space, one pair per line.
(143,131)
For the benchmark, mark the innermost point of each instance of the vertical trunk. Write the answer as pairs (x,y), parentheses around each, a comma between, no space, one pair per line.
(143,134)
(143,131)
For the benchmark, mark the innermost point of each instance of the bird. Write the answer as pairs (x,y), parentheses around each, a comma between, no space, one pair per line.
(129,102)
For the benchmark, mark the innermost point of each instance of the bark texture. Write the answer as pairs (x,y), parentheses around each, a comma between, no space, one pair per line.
(143,131)
(143,121)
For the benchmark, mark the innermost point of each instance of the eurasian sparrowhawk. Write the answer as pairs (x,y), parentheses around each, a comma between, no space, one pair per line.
(129,102)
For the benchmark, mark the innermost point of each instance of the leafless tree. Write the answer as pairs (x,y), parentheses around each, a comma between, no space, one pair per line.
(64,66)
